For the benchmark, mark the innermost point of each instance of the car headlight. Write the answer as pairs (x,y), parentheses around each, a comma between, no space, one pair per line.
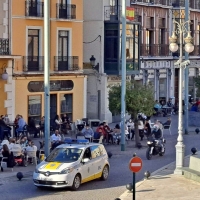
(67,170)
(149,142)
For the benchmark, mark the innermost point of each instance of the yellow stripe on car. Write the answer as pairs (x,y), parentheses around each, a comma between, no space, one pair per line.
(53,165)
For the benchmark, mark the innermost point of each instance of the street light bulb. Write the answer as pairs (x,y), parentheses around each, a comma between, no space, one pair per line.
(173,47)
(189,47)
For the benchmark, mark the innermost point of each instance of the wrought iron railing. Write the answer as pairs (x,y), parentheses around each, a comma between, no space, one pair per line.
(33,63)
(65,11)
(66,63)
(4,46)
(34,8)
(162,2)
(195,4)
(112,13)
(154,50)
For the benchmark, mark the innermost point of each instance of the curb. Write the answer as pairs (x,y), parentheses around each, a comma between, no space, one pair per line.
(127,192)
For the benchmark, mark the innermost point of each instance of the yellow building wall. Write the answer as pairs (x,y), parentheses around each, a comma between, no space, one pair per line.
(3,95)
(19,6)
(22,93)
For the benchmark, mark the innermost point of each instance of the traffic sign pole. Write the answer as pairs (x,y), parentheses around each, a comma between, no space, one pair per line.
(135,165)
(133,185)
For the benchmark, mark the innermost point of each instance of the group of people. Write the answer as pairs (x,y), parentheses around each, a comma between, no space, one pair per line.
(62,123)
(22,146)
(165,108)
(195,106)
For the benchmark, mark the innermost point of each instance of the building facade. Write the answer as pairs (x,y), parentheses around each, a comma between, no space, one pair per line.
(148,57)
(23,91)
(157,62)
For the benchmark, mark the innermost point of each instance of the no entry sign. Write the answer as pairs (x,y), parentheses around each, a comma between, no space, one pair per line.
(135,164)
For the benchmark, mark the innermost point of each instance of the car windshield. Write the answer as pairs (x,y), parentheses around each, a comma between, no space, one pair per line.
(65,155)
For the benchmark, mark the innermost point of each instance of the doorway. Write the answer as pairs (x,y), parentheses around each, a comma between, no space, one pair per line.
(53,108)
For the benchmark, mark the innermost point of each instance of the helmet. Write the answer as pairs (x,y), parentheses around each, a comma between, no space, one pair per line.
(155,128)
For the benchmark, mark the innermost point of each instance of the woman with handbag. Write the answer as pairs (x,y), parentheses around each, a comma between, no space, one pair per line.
(9,157)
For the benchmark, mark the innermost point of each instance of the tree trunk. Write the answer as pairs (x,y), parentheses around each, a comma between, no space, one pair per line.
(136,130)
(137,138)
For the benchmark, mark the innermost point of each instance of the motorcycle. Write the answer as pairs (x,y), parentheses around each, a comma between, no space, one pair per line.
(155,148)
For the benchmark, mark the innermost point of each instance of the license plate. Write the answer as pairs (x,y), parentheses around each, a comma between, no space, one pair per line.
(42,178)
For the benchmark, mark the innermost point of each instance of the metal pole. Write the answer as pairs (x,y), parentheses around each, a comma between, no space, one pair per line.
(123,84)
(133,186)
(180,147)
(46,73)
(186,71)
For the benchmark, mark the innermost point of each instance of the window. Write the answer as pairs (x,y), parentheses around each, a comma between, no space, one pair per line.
(66,105)
(111,40)
(95,151)
(64,155)
(132,44)
(63,50)
(150,22)
(33,50)
(192,28)
(34,108)
(33,42)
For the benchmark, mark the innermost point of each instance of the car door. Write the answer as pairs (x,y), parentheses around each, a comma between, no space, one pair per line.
(97,158)
(87,171)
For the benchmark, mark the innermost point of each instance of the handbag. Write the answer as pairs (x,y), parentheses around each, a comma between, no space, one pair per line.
(4,164)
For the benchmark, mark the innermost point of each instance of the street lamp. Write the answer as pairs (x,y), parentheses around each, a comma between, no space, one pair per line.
(92,61)
(181,31)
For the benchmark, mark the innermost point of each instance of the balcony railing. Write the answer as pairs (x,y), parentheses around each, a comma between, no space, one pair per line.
(4,46)
(33,63)
(112,13)
(195,4)
(154,50)
(66,63)
(34,8)
(65,11)
(152,2)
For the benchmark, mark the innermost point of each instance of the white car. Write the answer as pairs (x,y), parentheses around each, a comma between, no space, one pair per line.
(69,165)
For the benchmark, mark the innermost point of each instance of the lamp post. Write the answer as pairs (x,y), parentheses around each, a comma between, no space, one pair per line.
(181,31)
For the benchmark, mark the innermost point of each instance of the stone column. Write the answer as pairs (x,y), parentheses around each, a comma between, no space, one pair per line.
(9,88)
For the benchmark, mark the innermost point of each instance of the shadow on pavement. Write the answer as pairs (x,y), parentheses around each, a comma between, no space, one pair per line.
(148,190)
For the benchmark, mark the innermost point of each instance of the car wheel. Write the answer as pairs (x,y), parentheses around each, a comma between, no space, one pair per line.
(77,182)
(105,173)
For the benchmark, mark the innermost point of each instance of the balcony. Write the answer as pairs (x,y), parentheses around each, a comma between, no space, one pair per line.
(154,50)
(152,2)
(33,63)
(34,9)
(66,63)
(65,11)
(4,46)
(195,4)
(112,13)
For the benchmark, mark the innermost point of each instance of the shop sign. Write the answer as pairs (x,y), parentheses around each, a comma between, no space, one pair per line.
(59,85)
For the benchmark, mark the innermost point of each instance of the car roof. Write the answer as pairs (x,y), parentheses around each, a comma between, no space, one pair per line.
(80,146)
